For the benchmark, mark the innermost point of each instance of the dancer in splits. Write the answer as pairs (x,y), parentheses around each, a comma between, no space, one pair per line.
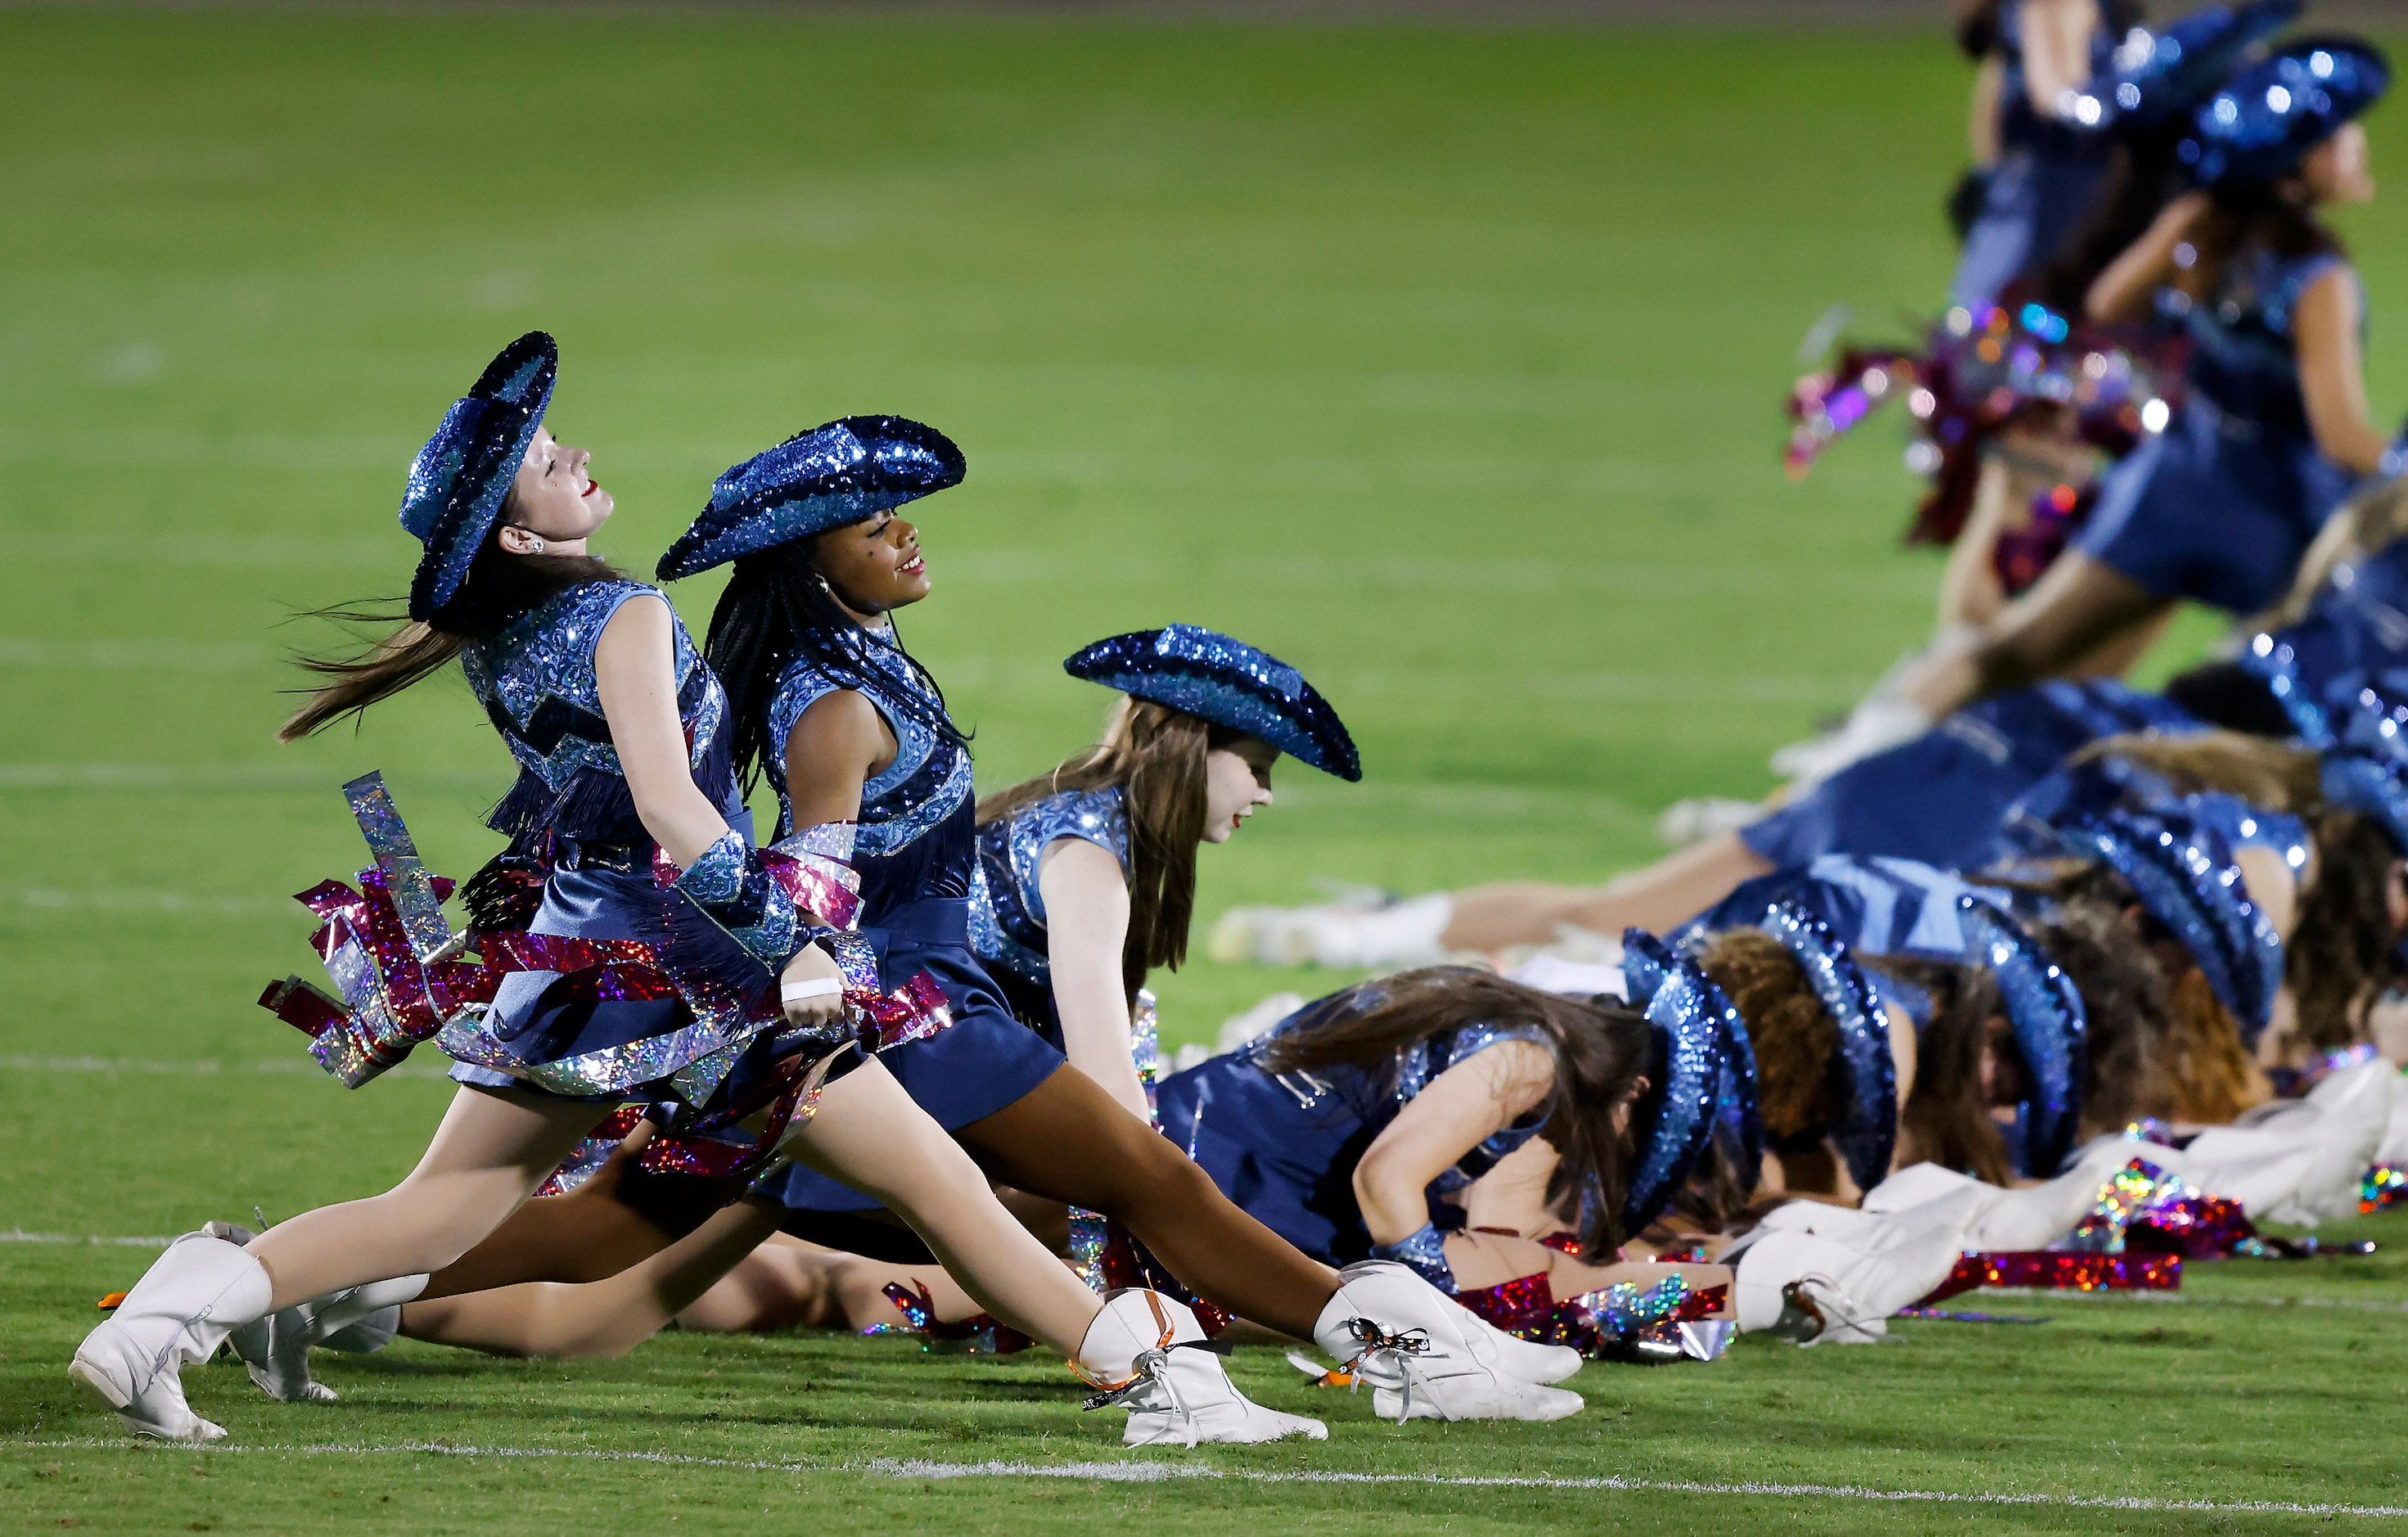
(823,701)
(627,808)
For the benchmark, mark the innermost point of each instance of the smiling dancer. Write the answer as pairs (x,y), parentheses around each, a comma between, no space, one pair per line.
(825,703)
(627,810)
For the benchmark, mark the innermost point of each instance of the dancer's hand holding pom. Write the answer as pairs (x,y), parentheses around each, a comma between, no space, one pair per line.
(812,987)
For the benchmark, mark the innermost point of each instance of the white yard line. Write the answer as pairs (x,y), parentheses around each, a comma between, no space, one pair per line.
(146,899)
(1133,1472)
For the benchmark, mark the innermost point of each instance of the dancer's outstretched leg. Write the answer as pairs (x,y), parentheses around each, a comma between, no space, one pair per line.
(1072,1142)
(1425,930)
(492,1150)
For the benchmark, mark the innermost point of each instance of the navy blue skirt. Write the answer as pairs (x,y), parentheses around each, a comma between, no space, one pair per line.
(982,1062)
(1937,800)
(1287,1165)
(2214,508)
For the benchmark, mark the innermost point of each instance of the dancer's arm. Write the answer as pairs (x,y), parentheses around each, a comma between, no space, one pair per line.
(2333,372)
(1086,924)
(635,672)
(2123,290)
(2057,48)
(1462,1107)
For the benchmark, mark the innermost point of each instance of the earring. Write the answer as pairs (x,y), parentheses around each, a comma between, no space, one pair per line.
(534,544)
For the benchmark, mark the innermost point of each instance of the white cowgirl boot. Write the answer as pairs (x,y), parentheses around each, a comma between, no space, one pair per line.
(1395,1331)
(1150,1357)
(1799,1286)
(1507,1354)
(176,1316)
(360,1320)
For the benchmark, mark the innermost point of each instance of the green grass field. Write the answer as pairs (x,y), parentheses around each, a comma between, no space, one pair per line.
(1444,364)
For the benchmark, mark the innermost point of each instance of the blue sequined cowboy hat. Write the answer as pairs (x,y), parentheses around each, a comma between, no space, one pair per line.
(2045,1012)
(2157,75)
(1864,1074)
(2272,113)
(1685,1013)
(461,477)
(2365,762)
(841,472)
(2185,878)
(1227,683)
(1739,1125)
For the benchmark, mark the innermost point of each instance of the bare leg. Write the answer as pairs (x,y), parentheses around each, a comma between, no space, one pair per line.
(869,1134)
(588,1234)
(1070,1140)
(1675,887)
(789,1283)
(601,1318)
(866,1132)
(492,1148)
(2078,606)
(2123,651)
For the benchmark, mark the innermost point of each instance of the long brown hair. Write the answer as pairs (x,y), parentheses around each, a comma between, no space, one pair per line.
(1945,1118)
(499,587)
(1601,1047)
(2161,1045)
(1155,756)
(2343,953)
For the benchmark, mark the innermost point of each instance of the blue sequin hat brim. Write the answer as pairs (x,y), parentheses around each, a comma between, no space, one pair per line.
(2045,1012)
(2158,76)
(1224,680)
(2272,113)
(2365,766)
(839,472)
(2185,877)
(461,478)
(1738,1124)
(1685,1012)
(1864,1073)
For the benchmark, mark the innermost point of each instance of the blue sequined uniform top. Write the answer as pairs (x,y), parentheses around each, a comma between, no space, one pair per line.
(915,840)
(2245,352)
(536,679)
(1284,1147)
(1006,906)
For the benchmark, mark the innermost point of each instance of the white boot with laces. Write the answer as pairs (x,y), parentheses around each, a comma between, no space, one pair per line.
(1149,1355)
(1389,1328)
(358,1320)
(176,1316)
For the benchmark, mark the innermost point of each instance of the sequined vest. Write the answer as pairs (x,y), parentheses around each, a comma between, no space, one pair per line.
(917,813)
(1008,908)
(2244,350)
(536,679)
(1377,1095)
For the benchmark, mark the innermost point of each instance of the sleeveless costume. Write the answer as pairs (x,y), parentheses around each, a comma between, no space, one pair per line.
(1284,1147)
(915,854)
(2220,507)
